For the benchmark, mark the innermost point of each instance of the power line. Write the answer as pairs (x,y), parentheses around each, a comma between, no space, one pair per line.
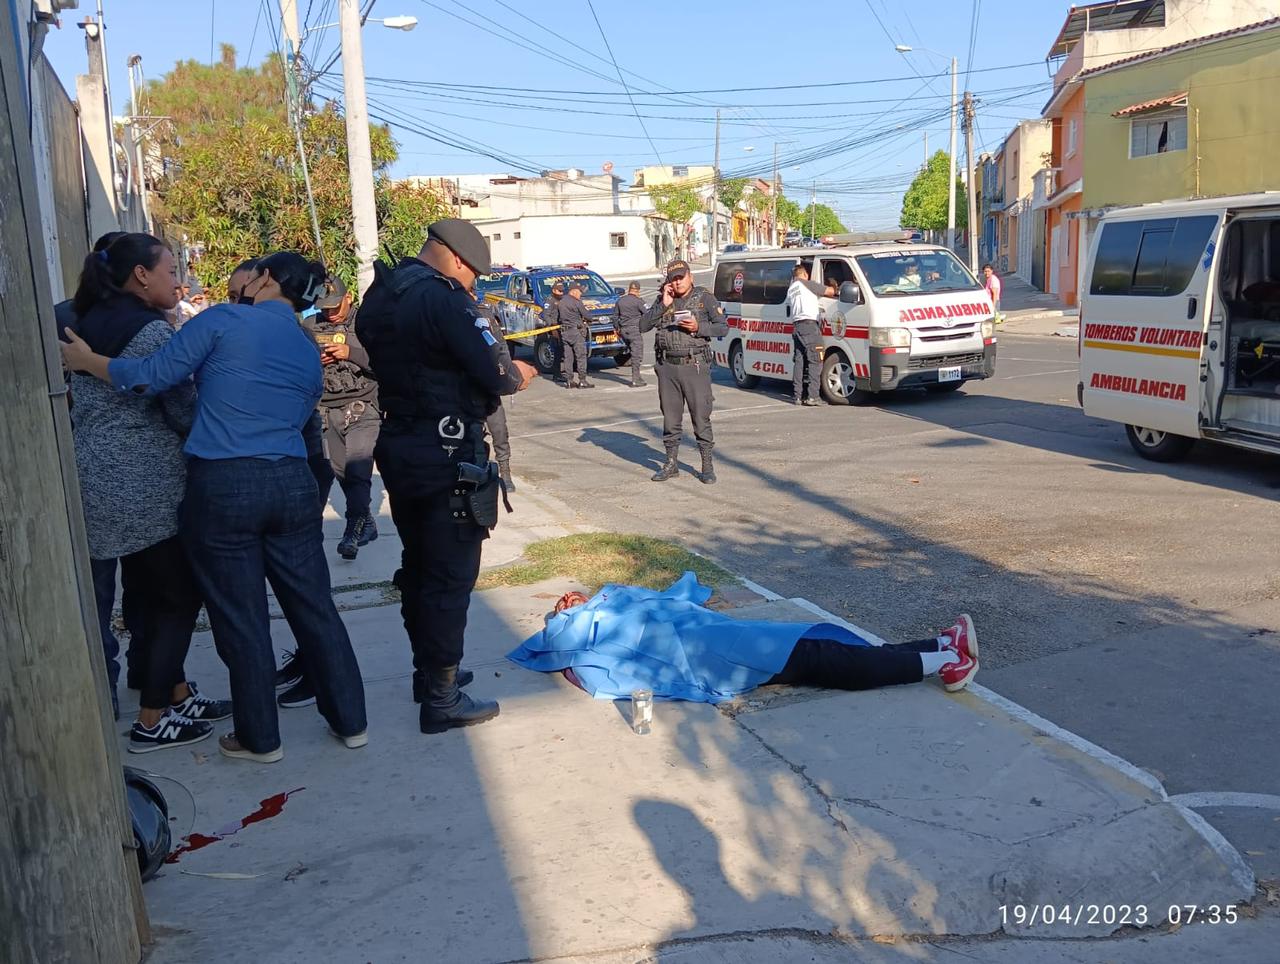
(592,7)
(973,40)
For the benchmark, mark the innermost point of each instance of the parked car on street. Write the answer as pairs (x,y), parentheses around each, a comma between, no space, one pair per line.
(793,239)
(734,248)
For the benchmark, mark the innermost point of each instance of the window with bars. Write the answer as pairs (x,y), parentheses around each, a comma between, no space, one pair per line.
(1158,133)
(617,239)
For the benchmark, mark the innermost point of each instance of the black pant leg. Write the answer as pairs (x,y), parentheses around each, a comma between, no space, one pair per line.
(797,367)
(499,434)
(671,401)
(696,386)
(635,345)
(317,457)
(439,567)
(833,665)
(171,606)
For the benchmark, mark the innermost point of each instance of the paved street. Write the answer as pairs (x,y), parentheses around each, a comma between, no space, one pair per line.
(1130,602)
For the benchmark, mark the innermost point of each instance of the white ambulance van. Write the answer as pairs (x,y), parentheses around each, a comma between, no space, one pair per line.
(903,315)
(1180,324)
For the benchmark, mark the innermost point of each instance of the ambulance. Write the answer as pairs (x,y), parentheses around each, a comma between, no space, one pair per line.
(899,314)
(1180,324)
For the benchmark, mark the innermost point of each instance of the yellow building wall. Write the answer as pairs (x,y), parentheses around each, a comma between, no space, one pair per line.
(655,176)
(1234,88)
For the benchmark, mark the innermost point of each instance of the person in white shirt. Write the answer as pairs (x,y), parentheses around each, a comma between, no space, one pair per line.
(911,276)
(803,308)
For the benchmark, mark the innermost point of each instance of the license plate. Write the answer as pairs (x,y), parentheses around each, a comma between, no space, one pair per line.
(949,374)
(607,339)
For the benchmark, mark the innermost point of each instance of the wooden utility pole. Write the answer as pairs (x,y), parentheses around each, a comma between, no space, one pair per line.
(69,888)
(973,200)
(364,211)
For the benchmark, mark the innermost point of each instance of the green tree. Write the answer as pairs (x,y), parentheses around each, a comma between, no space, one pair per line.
(675,202)
(789,212)
(822,221)
(924,206)
(226,174)
(731,191)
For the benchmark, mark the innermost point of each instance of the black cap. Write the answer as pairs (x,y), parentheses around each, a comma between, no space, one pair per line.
(334,292)
(676,268)
(557,288)
(575,285)
(463,239)
(634,286)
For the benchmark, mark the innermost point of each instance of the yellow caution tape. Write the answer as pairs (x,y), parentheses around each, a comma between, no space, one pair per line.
(529,334)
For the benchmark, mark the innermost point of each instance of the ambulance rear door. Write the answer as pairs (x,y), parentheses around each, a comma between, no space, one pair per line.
(1143,319)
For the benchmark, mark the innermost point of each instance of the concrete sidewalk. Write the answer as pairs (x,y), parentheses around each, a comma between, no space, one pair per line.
(1029,311)
(790,824)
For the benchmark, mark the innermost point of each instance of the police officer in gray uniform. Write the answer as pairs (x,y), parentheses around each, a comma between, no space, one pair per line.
(628,311)
(497,422)
(551,316)
(575,337)
(686,318)
(441,372)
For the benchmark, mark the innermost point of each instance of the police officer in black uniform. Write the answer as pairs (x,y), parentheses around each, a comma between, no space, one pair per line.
(441,371)
(575,337)
(551,316)
(496,424)
(349,407)
(687,318)
(627,311)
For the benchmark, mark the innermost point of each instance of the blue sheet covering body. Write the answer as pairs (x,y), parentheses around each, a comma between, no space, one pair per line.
(627,638)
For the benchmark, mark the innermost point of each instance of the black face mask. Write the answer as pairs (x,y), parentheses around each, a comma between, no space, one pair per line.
(244,299)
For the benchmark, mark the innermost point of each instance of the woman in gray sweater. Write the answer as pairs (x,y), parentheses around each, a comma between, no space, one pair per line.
(132,478)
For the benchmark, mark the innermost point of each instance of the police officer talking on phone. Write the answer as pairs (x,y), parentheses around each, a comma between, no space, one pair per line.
(686,318)
(441,372)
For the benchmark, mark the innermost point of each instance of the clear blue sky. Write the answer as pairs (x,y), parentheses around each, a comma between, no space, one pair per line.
(861,141)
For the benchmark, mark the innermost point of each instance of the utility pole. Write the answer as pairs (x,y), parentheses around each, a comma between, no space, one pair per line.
(364,213)
(715,197)
(137,148)
(293,93)
(973,200)
(71,890)
(773,216)
(813,210)
(951,181)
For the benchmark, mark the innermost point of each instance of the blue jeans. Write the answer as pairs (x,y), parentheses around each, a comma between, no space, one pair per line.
(104,595)
(246,521)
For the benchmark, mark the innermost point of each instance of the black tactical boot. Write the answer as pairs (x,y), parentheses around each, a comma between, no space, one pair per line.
(670,468)
(465,676)
(504,472)
(349,546)
(368,530)
(446,706)
(708,474)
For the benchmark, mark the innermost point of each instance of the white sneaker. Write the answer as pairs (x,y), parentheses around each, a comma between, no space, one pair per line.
(352,742)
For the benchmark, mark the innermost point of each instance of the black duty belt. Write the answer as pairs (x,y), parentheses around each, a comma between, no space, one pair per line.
(681,359)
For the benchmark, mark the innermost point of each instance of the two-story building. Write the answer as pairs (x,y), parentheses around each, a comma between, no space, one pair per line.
(1094,37)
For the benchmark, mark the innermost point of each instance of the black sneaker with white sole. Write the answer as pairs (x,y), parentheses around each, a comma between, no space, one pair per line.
(290,670)
(172,730)
(197,707)
(299,694)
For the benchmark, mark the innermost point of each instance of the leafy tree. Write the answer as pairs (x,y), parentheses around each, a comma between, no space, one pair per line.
(823,221)
(225,172)
(924,206)
(789,212)
(731,192)
(676,202)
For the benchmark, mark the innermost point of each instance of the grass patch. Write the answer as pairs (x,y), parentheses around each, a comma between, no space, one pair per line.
(597,558)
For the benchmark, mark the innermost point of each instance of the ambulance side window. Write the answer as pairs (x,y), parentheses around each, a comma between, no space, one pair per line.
(730,278)
(1157,257)
(766,282)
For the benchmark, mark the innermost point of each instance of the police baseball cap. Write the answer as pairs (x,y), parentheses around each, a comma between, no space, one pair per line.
(676,268)
(463,239)
(334,292)
(634,286)
(557,288)
(575,285)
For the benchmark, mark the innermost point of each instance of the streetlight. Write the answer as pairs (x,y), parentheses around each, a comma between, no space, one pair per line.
(951,180)
(364,214)
(405,23)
